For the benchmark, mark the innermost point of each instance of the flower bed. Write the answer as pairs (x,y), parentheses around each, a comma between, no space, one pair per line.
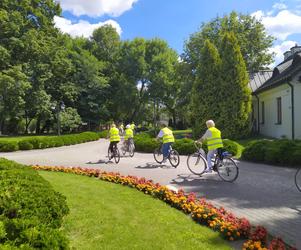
(201,211)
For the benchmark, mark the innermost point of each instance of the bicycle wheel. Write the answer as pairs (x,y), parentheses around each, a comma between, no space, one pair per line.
(298,179)
(158,155)
(132,149)
(174,158)
(196,163)
(123,149)
(227,170)
(116,155)
(110,154)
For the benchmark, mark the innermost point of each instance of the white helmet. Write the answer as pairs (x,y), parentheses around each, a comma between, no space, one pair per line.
(128,126)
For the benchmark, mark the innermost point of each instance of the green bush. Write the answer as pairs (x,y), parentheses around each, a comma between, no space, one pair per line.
(31,212)
(231,146)
(25,145)
(278,152)
(8,146)
(144,143)
(103,134)
(47,141)
(184,146)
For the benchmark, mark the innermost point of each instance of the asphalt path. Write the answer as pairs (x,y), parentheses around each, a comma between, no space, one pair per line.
(266,195)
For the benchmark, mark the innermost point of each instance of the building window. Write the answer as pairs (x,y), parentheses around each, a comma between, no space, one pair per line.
(262,112)
(279,111)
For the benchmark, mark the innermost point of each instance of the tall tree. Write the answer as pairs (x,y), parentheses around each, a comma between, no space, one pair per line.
(207,92)
(251,35)
(235,105)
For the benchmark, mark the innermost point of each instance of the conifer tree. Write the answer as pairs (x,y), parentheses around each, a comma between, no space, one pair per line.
(206,88)
(235,106)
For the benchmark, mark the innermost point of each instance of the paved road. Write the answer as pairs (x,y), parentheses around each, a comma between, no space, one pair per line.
(266,195)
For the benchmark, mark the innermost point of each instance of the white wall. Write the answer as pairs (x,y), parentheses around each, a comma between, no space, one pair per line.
(270,127)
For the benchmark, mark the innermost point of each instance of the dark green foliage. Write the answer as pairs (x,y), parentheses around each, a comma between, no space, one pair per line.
(207,91)
(31,212)
(145,143)
(48,142)
(8,146)
(253,39)
(25,145)
(184,146)
(278,152)
(103,134)
(235,105)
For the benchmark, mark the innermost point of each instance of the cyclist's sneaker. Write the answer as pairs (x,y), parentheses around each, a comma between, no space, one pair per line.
(164,160)
(214,168)
(208,171)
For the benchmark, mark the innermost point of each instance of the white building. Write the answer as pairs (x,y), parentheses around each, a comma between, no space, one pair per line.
(276,98)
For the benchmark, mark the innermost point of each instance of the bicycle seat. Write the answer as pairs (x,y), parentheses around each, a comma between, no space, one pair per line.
(226,153)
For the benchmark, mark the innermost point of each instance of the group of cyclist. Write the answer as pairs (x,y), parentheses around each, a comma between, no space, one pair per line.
(212,136)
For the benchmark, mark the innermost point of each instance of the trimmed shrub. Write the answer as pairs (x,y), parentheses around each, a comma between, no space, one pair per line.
(25,145)
(231,146)
(184,146)
(278,152)
(144,143)
(47,141)
(31,212)
(103,134)
(8,146)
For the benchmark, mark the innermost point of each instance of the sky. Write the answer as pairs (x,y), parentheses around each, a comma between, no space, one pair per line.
(175,20)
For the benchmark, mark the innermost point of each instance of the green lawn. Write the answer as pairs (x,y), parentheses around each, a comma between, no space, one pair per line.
(109,216)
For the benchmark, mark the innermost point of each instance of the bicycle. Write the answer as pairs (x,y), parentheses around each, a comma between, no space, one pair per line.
(223,164)
(115,155)
(173,156)
(128,147)
(298,179)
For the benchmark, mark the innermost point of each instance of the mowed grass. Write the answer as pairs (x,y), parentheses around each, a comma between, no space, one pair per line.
(111,216)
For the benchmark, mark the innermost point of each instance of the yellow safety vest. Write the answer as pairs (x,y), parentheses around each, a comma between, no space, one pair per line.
(167,135)
(216,140)
(114,135)
(128,133)
(133,126)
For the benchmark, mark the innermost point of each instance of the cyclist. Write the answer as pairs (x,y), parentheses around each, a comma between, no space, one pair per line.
(114,139)
(133,126)
(129,136)
(168,139)
(121,129)
(214,142)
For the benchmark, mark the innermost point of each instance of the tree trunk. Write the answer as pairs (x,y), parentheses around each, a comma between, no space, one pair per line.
(137,108)
(38,125)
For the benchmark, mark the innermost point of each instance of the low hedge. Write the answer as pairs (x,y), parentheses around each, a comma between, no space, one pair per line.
(47,141)
(277,152)
(31,212)
(145,143)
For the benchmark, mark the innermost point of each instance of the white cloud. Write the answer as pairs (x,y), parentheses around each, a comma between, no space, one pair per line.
(82,28)
(279,50)
(279,6)
(282,25)
(96,8)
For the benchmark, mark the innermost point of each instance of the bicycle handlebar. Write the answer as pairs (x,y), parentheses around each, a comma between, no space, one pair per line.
(196,143)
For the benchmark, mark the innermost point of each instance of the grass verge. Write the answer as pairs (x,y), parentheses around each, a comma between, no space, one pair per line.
(110,216)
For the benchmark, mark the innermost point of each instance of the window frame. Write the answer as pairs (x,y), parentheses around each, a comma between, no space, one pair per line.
(279,110)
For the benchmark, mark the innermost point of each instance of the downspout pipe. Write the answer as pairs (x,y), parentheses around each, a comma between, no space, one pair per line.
(258,123)
(293,109)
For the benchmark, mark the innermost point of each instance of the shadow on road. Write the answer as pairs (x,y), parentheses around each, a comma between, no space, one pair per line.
(98,162)
(194,180)
(152,165)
